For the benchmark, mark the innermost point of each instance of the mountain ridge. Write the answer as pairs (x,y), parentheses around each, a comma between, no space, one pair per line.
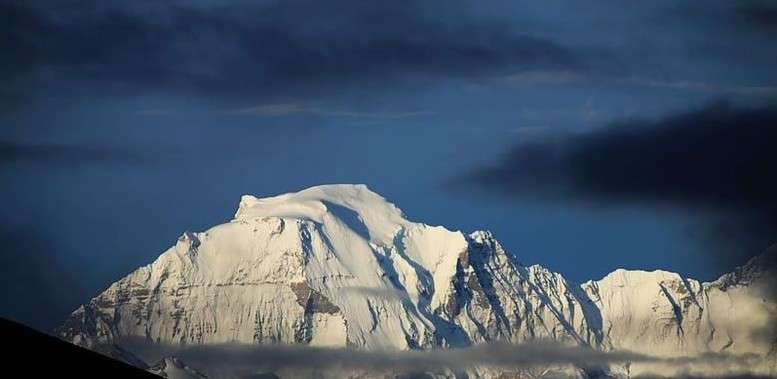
(340,266)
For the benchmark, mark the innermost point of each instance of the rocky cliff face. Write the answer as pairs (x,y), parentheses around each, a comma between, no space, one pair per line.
(340,266)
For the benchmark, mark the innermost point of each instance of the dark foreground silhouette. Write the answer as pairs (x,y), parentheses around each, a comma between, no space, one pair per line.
(33,354)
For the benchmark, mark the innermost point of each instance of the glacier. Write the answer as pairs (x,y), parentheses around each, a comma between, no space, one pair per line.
(340,266)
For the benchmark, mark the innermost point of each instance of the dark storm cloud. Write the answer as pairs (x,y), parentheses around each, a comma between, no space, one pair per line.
(718,158)
(58,155)
(744,16)
(259,49)
(760,14)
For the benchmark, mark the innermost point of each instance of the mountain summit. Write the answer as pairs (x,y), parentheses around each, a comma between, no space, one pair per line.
(340,266)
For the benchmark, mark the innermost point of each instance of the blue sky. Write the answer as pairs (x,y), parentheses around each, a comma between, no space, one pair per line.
(126,124)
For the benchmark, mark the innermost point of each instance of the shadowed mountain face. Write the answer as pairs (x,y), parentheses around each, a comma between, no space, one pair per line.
(38,355)
(338,266)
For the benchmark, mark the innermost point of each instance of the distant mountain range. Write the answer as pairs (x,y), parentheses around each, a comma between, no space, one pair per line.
(339,266)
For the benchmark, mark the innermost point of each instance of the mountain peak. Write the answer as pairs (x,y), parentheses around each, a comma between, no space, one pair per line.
(340,266)
(354,204)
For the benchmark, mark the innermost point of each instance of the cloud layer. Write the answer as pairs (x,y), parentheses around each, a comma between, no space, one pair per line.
(527,357)
(260,49)
(59,155)
(717,158)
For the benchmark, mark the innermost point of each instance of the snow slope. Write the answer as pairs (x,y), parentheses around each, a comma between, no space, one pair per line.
(338,265)
(173,368)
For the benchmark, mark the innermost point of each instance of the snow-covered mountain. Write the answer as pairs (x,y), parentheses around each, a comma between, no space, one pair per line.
(339,266)
(173,368)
